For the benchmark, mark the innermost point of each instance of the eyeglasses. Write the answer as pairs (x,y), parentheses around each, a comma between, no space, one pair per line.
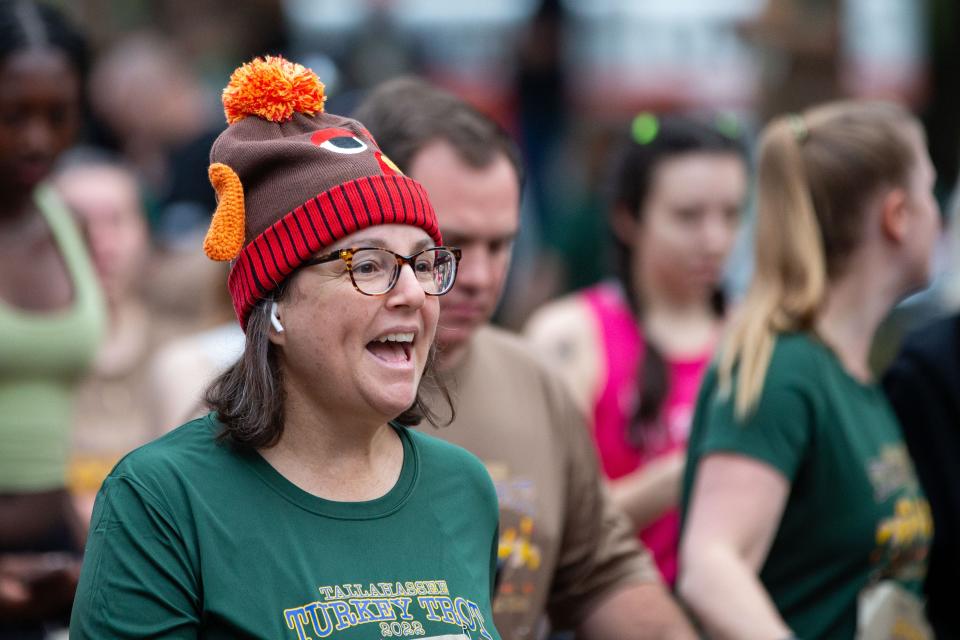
(375,271)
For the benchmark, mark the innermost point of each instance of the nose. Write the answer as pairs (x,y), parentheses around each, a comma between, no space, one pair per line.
(718,234)
(38,136)
(407,292)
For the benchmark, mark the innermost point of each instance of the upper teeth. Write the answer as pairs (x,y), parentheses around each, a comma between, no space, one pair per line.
(396,337)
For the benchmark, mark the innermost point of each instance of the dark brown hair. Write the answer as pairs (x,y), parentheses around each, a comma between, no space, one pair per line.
(406,114)
(248,397)
(25,24)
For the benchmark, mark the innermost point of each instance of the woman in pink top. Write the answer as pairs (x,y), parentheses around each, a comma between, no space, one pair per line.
(634,349)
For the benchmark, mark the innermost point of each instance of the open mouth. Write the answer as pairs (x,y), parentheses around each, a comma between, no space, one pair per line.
(394,348)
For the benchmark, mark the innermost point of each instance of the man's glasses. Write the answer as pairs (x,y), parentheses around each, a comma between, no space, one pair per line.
(375,271)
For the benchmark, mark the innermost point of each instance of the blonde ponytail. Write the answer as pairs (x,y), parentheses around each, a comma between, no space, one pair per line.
(789,262)
(815,174)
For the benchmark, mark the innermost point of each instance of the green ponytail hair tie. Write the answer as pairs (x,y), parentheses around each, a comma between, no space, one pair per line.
(799,127)
(644,128)
(728,124)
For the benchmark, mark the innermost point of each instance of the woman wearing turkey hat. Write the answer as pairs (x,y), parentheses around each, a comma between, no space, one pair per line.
(303,506)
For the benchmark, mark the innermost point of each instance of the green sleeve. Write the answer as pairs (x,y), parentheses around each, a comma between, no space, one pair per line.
(137,580)
(777,432)
(494,562)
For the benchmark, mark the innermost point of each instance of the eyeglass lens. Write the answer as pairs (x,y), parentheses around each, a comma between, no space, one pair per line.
(375,271)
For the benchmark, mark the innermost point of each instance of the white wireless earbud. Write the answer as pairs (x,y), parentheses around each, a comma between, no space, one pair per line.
(275,319)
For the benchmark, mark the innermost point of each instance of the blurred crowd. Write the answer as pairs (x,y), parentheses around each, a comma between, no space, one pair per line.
(114,321)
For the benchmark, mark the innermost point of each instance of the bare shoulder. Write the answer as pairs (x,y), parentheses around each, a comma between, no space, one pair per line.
(560,328)
(181,369)
(565,334)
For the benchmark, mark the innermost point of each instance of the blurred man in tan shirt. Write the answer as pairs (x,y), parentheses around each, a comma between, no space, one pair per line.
(566,555)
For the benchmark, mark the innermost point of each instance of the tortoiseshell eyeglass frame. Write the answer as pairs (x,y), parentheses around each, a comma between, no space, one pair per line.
(347,256)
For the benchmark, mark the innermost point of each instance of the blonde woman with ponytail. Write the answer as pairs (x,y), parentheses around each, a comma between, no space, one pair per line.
(802,512)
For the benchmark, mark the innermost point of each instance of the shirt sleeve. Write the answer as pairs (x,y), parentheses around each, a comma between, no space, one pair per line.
(778,431)
(137,580)
(599,553)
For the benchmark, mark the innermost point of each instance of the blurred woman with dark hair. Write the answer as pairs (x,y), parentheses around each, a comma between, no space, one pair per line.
(51,316)
(634,350)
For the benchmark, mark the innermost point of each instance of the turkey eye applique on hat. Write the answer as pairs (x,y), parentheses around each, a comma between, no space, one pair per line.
(347,142)
(338,141)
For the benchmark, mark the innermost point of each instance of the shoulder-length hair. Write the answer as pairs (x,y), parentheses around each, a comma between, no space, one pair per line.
(249,398)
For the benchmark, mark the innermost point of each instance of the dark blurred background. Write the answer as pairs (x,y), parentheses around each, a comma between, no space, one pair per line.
(563,76)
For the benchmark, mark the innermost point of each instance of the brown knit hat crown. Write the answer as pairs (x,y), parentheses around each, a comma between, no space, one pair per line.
(291,179)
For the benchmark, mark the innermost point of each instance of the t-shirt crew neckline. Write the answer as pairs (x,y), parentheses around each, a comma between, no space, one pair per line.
(380,507)
(867,387)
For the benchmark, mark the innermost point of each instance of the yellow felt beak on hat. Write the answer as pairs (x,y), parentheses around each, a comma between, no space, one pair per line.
(225,236)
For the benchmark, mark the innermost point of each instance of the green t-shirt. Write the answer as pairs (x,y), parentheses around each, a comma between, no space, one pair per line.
(855,513)
(191,538)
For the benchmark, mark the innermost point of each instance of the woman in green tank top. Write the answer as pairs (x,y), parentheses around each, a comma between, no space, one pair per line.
(51,317)
(803,514)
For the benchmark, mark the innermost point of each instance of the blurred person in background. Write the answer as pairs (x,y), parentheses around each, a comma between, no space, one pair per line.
(184,366)
(923,385)
(565,550)
(803,516)
(541,121)
(634,350)
(799,46)
(541,89)
(51,317)
(304,505)
(941,107)
(150,102)
(114,405)
(150,373)
(161,121)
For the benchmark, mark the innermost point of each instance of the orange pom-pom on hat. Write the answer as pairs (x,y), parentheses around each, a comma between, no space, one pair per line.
(274,89)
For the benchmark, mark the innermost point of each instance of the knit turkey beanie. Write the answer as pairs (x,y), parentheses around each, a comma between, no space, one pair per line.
(291,179)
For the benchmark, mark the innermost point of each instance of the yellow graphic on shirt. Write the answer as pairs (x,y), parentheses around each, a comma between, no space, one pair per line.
(517,548)
(890,472)
(519,554)
(902,539)
(906,630)
(394,609)
(910,523)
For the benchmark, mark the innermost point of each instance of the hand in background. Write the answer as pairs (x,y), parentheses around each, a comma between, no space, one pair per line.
(34,586)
